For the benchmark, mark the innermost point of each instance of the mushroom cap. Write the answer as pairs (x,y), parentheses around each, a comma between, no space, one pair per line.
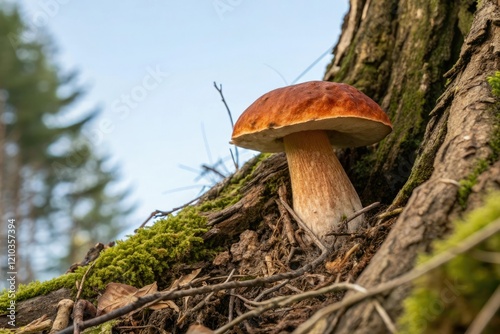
(350,117)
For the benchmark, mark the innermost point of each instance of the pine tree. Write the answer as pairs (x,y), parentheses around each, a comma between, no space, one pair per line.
(47,168)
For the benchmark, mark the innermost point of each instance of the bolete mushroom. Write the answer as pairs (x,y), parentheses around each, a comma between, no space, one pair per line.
(305,120)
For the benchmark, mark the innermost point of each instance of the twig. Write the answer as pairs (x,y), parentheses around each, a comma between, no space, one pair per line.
(159,213)
(381,311)
(81,307)
(270,290)
(213,170)
(299,221)
(281,301)
(80,286)
(389,214)
(219,89)
(284,214)
(487,312)
(360,212)
(203,302)
(433,263)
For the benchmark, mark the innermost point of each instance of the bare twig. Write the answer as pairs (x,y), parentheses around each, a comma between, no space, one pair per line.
(486,313)
(433,263)
(389,214)
(219,89)
(270,290)
(281,301)
(353,216)
(81,307)
(203,302)
(80,286)
(360,212)
(159,213)
(284,215)
(299,221)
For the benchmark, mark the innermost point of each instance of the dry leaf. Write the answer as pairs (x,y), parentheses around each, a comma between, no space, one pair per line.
(115,296)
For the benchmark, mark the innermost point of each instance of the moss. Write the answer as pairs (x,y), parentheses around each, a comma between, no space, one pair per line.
(467,183)
(40,288)
(149,254)
(105,328)
(447,299)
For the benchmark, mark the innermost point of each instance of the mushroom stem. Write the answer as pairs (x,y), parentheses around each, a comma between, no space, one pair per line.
(322,191)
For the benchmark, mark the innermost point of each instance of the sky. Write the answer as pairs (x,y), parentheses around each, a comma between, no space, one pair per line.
(150,67)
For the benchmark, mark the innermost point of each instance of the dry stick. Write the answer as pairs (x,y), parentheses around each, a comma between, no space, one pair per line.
(435,262)
(270,290)
(203,302)
(80,286)
(281,302)
(381,311)
(159,213)
(299,221)
(360,212)
(353,216)
(219,89)
(286,219)
(487,312)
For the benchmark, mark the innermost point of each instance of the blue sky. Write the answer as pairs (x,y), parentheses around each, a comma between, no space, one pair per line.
(150,66)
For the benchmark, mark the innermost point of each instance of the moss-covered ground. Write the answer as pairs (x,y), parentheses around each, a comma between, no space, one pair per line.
(150,253)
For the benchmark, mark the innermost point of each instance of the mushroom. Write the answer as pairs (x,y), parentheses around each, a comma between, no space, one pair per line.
(305,120)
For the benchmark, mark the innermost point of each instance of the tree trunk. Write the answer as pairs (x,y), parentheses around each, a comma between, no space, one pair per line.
(399,54)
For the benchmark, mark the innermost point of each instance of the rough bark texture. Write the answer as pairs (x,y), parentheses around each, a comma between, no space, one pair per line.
(396,51)
(456,139)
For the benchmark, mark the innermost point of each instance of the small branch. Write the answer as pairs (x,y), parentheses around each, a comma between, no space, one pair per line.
(486,314)
(282,301)
(360,212)
(219,89)
(299,221)
(80,286)
(435,262)
(159,213)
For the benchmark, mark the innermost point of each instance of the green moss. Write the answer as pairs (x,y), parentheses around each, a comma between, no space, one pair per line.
(494,82)
(149,254)
(105,328)
(40,288)
(447,299)
(467,183)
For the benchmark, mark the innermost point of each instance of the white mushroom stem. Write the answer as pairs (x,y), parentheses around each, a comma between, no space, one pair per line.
(322,192)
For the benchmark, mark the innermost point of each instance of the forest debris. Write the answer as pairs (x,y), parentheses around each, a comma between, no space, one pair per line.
(36,326)
(64,309)
(118,295)
(433,263)
(91,255)
(81,309)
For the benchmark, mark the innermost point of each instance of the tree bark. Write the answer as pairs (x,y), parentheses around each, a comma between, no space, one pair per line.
(457,138)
